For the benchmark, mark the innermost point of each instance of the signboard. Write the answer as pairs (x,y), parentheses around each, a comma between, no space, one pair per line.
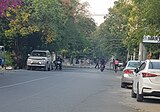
(151,39)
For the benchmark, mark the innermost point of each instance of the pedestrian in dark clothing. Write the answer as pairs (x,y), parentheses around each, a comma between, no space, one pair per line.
(97,63)
(102,62)
(102,66)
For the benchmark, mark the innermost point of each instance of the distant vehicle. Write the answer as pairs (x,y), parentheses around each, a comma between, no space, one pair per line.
(2,60)
(128,74)
(147,80)
(40,59)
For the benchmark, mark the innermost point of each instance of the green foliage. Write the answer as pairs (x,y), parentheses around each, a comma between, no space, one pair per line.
(8,59)
(47,24)
(19,22)
(127,22)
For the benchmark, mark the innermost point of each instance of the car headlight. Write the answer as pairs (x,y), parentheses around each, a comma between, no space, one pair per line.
(43,61)
(29,61)
(40,62)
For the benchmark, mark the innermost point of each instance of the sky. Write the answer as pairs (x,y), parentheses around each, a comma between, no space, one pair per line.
(99,7)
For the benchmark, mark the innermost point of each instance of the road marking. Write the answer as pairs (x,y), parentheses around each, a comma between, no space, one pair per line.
(17,84)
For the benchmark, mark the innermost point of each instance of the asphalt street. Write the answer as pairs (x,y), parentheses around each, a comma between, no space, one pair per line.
(70,90)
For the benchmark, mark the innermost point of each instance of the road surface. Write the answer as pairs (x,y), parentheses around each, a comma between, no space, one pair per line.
(70,90)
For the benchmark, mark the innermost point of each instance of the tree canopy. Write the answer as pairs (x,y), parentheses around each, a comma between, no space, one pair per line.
(126,24)
(57,25)
(66,27)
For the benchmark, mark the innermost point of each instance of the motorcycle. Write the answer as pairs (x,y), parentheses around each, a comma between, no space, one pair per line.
(102,68)
(58,65)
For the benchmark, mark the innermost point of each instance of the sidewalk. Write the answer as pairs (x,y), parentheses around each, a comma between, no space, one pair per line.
(5,69)
(2,70)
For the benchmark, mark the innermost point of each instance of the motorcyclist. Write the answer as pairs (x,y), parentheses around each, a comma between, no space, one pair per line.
(102,62)
(58,63)
(116,63)
(102,66)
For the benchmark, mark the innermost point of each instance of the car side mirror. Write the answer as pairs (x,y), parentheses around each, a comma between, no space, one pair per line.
(29,55)
(136,70)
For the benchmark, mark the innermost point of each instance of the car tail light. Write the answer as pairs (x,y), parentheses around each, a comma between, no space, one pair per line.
(148,75)
(128,71)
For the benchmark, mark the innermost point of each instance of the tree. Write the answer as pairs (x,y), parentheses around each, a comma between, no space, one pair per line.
(77,29)
(53,24)
(128,21)
(112,33)
(5,4)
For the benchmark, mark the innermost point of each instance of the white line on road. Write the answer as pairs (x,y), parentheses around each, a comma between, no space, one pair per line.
(12,85)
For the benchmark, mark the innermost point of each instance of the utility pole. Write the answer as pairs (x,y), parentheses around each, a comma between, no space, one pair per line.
(142,52)
(134,54)
(128,56)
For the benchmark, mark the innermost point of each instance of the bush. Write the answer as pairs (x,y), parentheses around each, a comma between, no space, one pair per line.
(8,59)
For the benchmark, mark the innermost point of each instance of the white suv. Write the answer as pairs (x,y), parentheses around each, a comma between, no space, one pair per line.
(39,59)
(146,81)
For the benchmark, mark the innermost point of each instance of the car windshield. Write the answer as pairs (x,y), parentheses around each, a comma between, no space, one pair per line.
(134,64)
(38,54)
(154,65)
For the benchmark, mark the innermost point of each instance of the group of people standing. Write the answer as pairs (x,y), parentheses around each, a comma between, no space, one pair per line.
(99,62)
(103,62)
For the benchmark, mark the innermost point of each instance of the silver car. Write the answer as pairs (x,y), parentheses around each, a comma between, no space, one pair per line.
(147,80)
(128,72)
(40,59)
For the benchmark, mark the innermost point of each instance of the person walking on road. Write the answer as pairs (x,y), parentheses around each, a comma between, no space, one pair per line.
(116,63)
(97,63)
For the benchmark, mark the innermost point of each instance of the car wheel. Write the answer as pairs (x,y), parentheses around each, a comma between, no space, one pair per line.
(133,95)
(33,68)
(28,68)
(139,96)
(46,68)
(123,85)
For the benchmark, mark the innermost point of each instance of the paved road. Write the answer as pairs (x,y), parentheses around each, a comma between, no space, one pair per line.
(70,90)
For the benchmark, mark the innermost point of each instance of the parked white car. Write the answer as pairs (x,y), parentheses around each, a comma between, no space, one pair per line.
(147,80)
(40,59)
(127,76)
